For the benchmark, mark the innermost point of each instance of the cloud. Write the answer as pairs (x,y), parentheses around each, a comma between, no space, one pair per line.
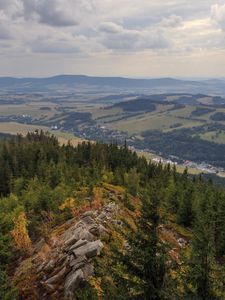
(116,37)
(51,12)
(97,29)
(11,9)
(53,46)
(5,33)
(218,15)
(172,21)
(110,27)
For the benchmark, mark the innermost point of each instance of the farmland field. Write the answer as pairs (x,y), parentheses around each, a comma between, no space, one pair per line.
(153,122)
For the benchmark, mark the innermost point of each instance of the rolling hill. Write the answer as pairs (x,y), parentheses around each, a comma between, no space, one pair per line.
(79,82)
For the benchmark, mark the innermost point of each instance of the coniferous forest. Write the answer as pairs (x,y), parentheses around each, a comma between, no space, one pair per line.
(171,244)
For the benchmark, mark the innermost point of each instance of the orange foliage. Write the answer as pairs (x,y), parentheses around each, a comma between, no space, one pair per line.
(77,207)
(137,213)
(78,211)
(20,234)
(96,284)
(97,198)
(68,203)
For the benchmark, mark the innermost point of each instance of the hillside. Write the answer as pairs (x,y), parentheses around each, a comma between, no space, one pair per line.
(68,83)
(98,222)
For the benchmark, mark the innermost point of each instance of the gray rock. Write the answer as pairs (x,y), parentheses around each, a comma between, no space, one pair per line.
(66,235)
(89,213)
(61,259)
(117,222)
(97,229)
(72,232)
(88,270)
(79,233)
(40,268)
(71,240)
(86,235)
(102,216)
(94,229)
(50,266)
(77,245)
(58,277)
(71,258)
(102,229)
(78,261)
(73,280)
(110,207)
(66,261)
(88,220)
(182,242)
(80,224)
(89,250)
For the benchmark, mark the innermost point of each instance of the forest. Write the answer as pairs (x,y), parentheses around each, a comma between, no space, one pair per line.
(186,144)
(38,176)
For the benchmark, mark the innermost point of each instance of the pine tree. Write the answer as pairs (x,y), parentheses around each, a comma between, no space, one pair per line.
(202,255)
(145,259)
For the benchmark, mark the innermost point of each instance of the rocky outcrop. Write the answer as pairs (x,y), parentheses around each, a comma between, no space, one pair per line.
(89,250)
(65,263)
(73,280)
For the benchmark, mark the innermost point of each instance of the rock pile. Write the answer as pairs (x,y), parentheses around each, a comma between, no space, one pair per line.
(68,263)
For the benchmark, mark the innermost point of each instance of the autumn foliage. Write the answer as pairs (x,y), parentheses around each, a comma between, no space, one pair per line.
(20,234)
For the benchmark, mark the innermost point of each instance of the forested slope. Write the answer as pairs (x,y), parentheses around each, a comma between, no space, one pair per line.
(150,233)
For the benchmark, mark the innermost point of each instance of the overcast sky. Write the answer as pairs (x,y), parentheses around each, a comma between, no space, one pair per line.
(135,38)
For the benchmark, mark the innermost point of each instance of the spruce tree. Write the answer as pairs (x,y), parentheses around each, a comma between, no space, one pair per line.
(145,260)
(202,255)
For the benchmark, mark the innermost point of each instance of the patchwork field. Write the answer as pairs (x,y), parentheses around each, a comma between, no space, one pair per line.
(185,125)
(17,128)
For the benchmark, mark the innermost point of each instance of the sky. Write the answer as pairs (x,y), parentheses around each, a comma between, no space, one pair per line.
(133,38)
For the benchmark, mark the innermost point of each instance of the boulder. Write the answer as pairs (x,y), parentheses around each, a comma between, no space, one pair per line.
(78,262)
(78,225)
(71,240)
(86,235)
(102,229)
(79,233)
(73,280)
(182,242)
(102,216)
(58,277)
(89,213)
(88,270)
(61,259)
(94,229)
(40,268)
(50,266)
(89,250)
(72,233)
(88,220)
(77,245)
(110,207)
(97,229)
(66,262)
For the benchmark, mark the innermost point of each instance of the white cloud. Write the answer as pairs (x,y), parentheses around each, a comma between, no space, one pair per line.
(172,21)
(133,40)
(110,28)
(218,15)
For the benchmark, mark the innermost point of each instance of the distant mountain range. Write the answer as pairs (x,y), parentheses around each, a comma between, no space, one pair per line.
(73,83)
